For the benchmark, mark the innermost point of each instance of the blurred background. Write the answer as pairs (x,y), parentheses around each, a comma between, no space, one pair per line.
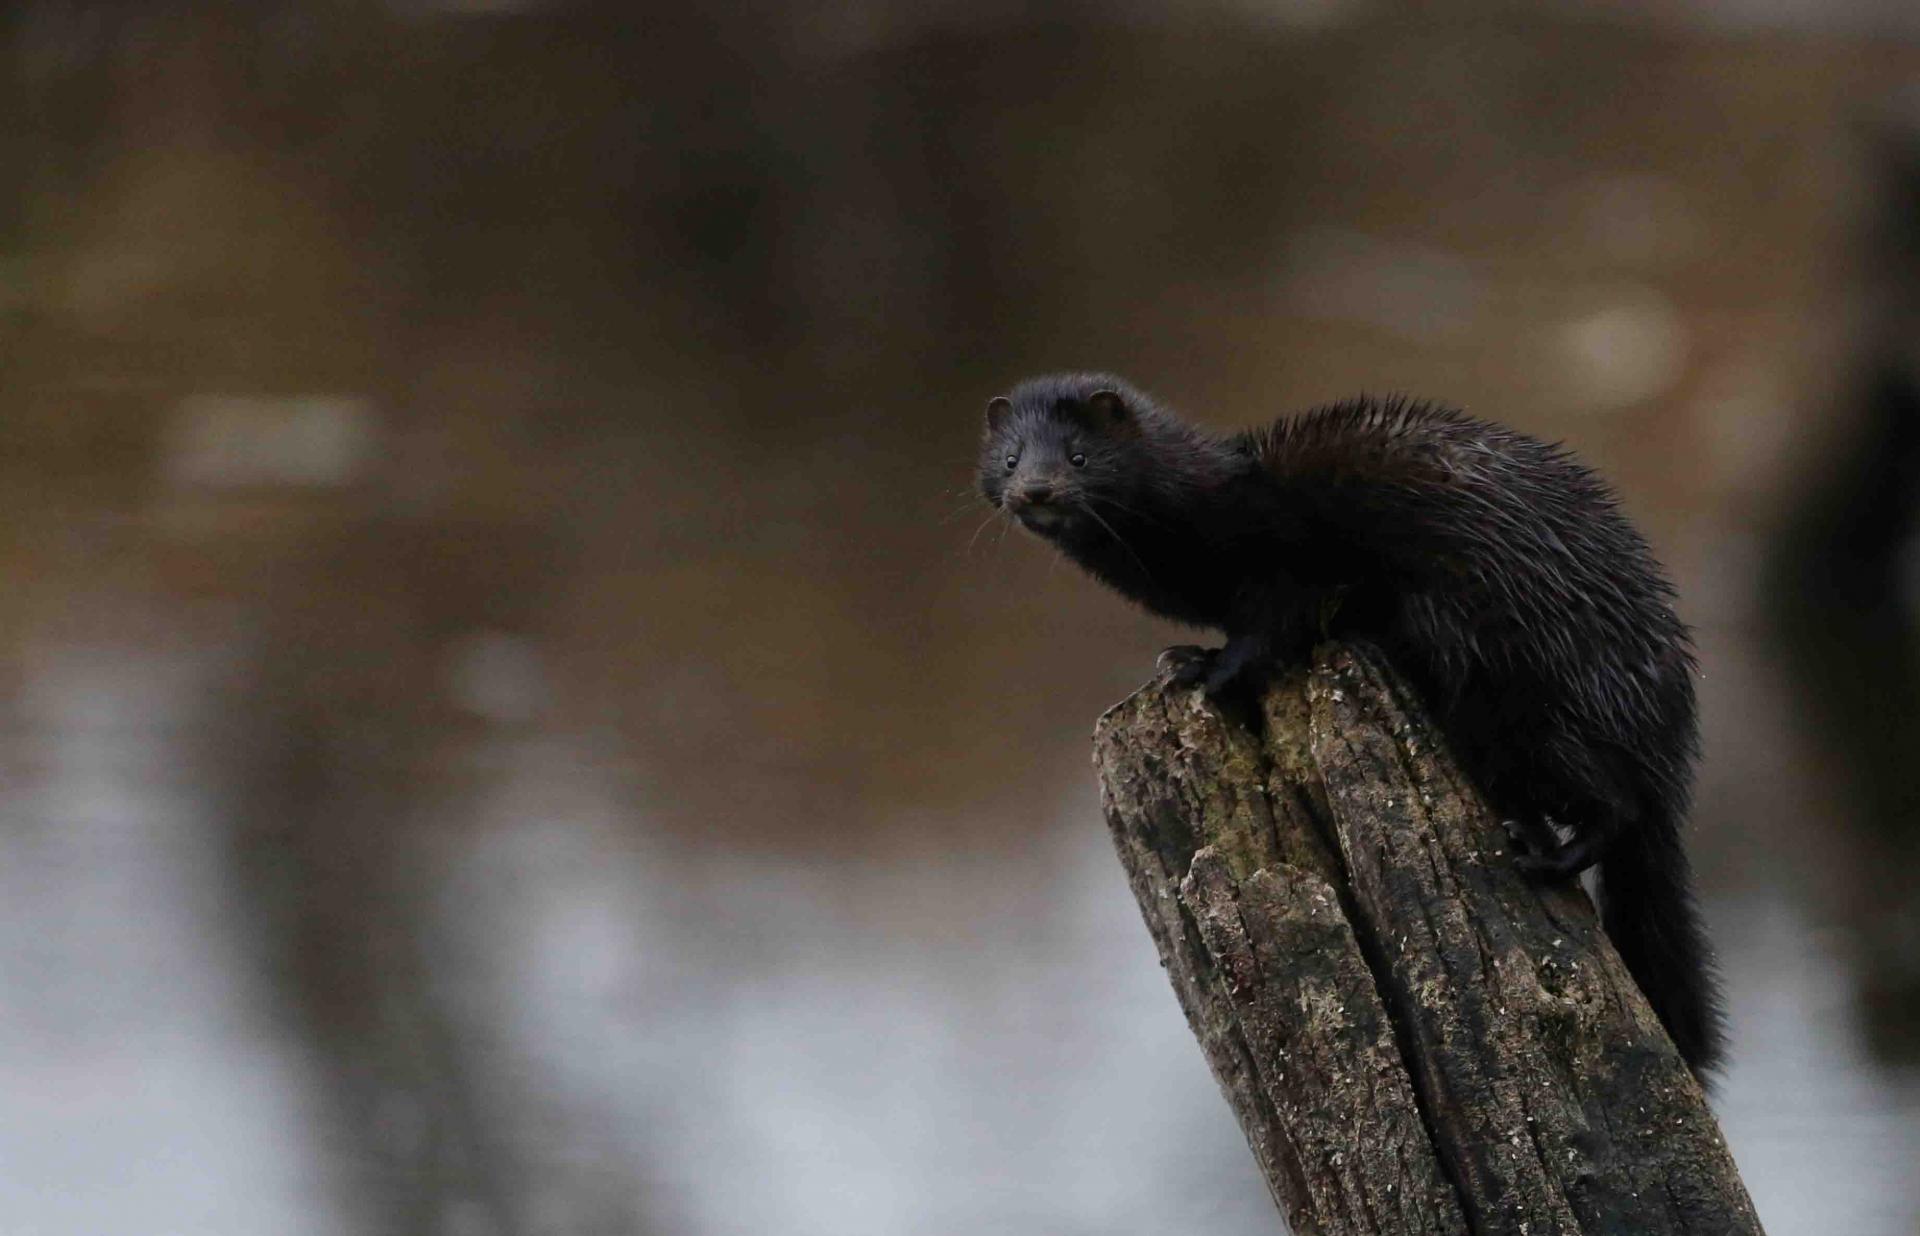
(511,720)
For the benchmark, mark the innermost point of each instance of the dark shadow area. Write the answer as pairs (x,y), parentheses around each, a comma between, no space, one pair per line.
(1843,594)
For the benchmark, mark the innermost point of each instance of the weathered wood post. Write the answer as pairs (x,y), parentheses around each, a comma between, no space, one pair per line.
(1415,1036)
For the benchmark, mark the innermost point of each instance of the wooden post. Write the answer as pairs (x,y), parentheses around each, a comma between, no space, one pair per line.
(1414,1035)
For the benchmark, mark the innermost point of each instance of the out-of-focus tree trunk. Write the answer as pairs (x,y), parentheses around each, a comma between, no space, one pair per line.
(1414,1036)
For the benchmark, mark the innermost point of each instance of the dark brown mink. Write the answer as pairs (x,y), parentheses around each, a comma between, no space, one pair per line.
(1494,570)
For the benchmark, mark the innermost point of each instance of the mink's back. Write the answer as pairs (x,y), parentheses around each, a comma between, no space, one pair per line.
(1500,570)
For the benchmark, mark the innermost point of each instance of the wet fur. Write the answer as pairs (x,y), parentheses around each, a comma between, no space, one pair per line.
(1494,570)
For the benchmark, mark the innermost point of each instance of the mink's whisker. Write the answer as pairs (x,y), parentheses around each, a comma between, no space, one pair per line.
(991,515)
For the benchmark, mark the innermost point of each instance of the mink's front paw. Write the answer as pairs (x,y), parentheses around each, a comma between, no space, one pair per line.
(1234,676)
(1190,664)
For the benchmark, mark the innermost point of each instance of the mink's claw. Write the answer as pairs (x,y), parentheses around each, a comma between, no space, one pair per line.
(1531,835)
(1190,664)
(1563,861)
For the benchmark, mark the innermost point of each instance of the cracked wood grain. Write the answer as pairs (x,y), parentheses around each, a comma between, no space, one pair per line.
(1415,1038)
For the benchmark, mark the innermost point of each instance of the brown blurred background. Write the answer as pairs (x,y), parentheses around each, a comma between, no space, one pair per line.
(510,721)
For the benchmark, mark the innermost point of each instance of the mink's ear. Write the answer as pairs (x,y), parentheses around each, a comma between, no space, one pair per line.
(1107,410)
(998,409)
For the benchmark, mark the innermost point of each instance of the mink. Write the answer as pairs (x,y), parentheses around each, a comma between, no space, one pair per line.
(1495,572)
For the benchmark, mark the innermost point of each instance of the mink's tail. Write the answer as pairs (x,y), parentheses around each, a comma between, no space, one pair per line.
(1648,910)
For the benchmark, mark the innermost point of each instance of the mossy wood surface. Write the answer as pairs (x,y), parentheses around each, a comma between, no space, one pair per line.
(1414,1036)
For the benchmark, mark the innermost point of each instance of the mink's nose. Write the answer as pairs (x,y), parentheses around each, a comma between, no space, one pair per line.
(1036,493)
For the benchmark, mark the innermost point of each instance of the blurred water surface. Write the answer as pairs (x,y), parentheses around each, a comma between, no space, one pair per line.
(512,721)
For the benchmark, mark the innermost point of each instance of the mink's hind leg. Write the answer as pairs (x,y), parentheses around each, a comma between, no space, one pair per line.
(1565,859)
(1562,781)
(1594,825)
(1531,833)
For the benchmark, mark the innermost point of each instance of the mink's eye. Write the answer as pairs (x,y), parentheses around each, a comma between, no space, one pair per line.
(1079,459)
(1011,461)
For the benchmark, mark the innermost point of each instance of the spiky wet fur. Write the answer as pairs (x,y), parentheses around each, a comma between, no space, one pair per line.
(1494,570)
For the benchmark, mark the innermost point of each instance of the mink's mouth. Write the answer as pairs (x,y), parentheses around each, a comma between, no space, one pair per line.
(1041,517)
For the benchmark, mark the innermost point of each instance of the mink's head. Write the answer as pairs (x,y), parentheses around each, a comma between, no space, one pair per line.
(1058,447)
